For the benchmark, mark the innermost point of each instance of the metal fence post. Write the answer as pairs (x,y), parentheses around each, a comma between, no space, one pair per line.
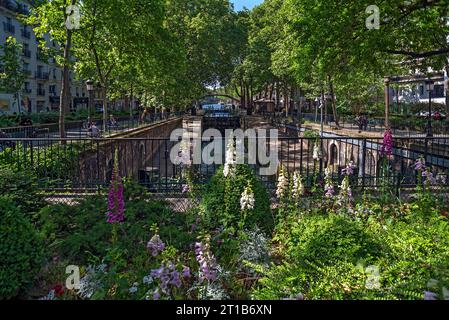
(363,163)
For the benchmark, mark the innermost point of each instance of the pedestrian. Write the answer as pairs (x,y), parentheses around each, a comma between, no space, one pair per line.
(365,122)
(93,131)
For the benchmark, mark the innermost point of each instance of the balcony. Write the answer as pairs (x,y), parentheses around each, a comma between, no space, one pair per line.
(26,34)
(26,53)
(40,92)
(27,91)
(27,72)
(9,28)
(13,6)
(42,75)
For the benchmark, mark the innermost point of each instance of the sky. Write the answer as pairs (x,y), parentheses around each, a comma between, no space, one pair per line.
(239,4)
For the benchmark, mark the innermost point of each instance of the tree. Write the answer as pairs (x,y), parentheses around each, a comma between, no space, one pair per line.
(54,18)
(12,75)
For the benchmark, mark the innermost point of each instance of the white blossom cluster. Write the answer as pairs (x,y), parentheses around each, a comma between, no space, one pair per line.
(247,200)
(230,160)
(316,152)
(283,183)
(298,186)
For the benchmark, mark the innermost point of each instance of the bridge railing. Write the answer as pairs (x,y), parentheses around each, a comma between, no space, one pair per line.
(81,164)
(79,129)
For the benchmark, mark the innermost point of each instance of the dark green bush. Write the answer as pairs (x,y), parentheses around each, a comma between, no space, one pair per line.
(21,250)
(220,204)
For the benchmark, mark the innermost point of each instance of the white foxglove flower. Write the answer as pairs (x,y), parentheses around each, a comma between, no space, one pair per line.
(283,183)
(229,167)
(316,152)
(247,200)
(298,186)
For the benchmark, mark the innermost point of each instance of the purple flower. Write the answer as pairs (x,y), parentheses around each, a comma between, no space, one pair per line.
(208,265)
(420,165)
(349,170)
(156,245)
(156,295)
(387,145)
(430,178)
(428,295)
(116,203)
(186,272)
(185,188)
(330,192)
(175,279)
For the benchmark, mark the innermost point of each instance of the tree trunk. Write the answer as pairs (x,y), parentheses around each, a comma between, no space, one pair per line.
(446,87)
(64,100)
(334,102)
(278,100)
(105,107)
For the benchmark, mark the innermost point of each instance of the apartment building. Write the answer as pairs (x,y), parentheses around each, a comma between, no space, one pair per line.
(42,88)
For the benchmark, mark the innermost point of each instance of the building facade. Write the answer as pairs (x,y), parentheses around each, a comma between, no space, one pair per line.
(42,88)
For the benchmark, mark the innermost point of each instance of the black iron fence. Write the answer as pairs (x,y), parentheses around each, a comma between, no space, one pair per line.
(81,165)
(408,127)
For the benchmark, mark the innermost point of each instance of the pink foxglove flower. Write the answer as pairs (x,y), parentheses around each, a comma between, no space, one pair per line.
(116,203)
(387,145)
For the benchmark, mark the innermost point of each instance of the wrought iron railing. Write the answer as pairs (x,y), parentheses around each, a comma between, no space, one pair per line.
(70,165)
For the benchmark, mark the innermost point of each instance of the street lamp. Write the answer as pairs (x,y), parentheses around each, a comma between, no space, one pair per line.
(90,90)
(429,87)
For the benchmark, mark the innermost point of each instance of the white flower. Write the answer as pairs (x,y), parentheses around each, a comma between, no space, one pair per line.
(247,200)
(316,152)
(230,161)
(298,186)
(441,178)
(184,154)
(147,280)
(345,192)
(134,288)
(283,184)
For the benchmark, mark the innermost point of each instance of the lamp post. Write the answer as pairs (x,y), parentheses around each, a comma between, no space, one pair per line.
(429,87)
(90,90)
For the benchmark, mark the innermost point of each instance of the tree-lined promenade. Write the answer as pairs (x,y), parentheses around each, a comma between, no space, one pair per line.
(166,53)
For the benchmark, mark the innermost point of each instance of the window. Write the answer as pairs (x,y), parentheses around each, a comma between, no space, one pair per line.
(421,90)
(439,91)
(52,89)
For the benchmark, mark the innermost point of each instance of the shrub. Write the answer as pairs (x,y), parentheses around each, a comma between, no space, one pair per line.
(219,204)
(21,250)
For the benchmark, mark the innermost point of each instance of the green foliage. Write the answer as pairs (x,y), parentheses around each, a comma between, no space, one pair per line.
(12,75)
(329,257)
(50,164)
(20,187)
(21,250)
(221,201)
(77,232)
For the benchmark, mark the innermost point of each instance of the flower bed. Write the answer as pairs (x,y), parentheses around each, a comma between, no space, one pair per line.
(322,242)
